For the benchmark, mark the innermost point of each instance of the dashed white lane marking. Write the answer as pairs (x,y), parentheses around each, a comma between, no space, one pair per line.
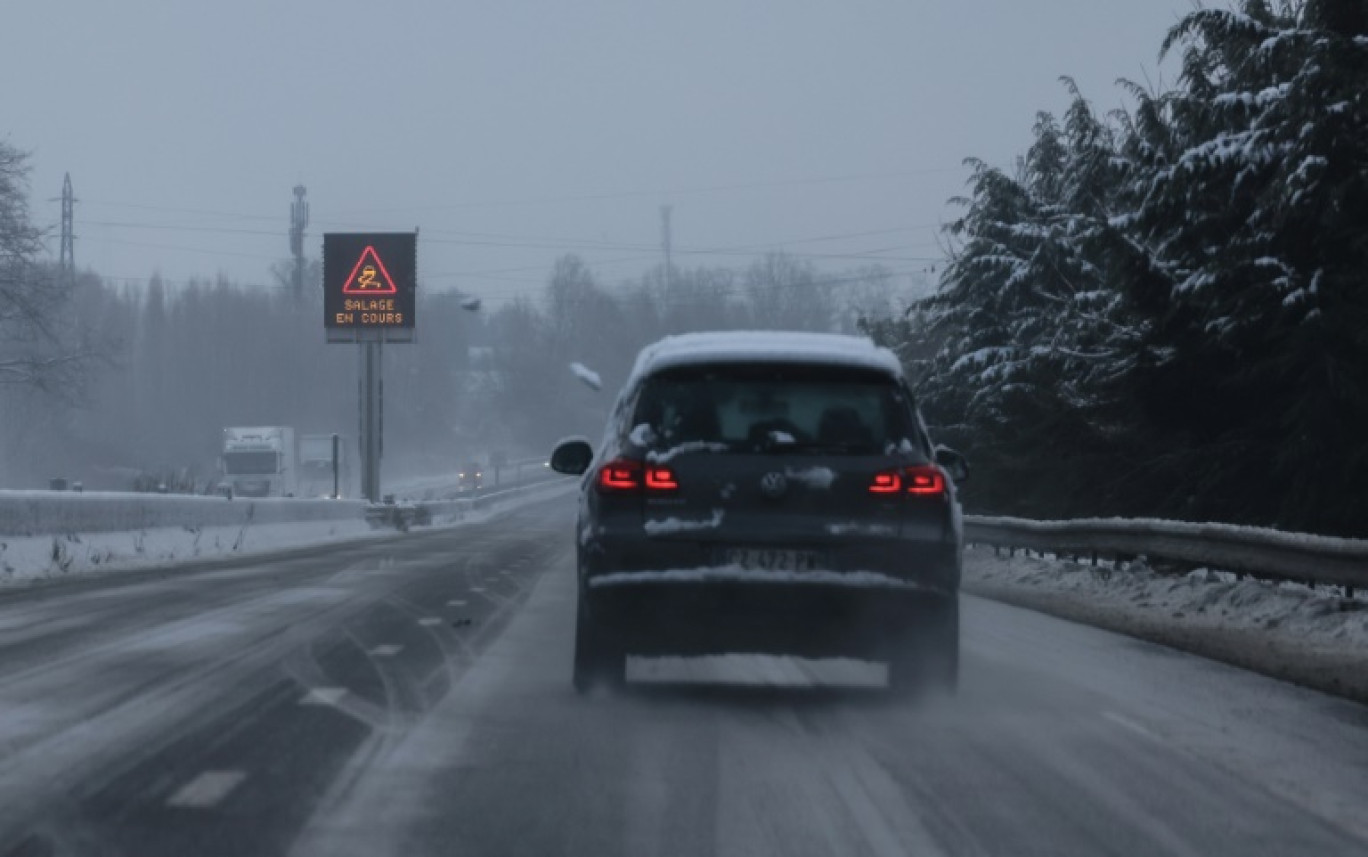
(388,650)
(1126,723)
(429,621)
(323,696)
(456,602)
(207,789)
(477,589)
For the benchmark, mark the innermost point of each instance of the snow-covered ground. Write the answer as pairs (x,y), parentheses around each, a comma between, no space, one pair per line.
(1314,636)
(32,513)
(28,559)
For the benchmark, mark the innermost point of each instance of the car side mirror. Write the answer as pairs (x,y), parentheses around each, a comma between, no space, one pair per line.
(572,456)
(954,463)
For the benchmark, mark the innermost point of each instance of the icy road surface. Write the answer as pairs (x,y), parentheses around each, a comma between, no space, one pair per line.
(412,696)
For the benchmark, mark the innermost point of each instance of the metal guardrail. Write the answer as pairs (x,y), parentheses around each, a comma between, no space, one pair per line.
(429,510)
(37,513)
(443,486)
(1272,554)
(26,514)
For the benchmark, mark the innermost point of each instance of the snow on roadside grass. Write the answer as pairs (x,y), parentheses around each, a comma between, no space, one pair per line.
(29,558)
(1204,597)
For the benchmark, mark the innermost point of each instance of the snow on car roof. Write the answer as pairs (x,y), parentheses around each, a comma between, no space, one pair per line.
(764,346)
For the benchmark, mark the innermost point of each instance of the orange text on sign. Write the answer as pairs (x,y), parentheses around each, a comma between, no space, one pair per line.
(373,304)
(383,318)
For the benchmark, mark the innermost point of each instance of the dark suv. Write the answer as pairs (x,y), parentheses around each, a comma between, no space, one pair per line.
(767,493)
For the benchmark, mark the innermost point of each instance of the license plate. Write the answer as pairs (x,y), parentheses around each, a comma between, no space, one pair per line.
(767,559)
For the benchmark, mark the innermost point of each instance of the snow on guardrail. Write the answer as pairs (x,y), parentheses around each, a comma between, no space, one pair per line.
(50,534)
(436,511)
(449,486)
(1274,554)
(34,513)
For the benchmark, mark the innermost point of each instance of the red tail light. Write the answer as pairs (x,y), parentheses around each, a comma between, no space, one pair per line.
(661,479)
(620,475)
(924,480)
(623,475)
(888,482)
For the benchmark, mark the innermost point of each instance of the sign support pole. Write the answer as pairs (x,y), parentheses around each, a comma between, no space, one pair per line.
(370,280)
(370,421)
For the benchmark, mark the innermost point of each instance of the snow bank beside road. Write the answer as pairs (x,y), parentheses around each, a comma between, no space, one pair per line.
(36,513)
(29,558)
(1313,637)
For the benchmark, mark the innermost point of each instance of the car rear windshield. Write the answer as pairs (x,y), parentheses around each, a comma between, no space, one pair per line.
(761,408)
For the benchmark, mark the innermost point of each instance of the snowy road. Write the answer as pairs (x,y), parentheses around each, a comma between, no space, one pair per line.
(412,696)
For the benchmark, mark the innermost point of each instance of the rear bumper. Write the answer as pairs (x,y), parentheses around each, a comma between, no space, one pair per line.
(922,563)
(709,612)
(659,596)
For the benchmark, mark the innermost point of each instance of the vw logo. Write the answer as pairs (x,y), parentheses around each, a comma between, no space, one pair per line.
(773,485)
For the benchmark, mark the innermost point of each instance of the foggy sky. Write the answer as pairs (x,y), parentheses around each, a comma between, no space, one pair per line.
(552,126)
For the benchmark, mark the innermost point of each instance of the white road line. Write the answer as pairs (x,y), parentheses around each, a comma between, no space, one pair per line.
(323,696)
(429,621)
(388,650)
(477,589)
(207,789)
(456,602)
(1126,723)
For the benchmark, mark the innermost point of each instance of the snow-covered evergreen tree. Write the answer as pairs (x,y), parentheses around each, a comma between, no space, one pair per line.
(1254,198)
(1166,312)
(1038,339)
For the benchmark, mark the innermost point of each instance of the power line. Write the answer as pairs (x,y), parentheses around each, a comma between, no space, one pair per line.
(174,210)
(567,244)
(181,248)
(178,227)
(705,189)
(520,241)
(760,185)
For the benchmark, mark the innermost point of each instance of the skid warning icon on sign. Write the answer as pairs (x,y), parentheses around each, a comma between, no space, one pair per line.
(369,276)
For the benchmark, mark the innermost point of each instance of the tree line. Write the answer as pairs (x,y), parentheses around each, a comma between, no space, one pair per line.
(1163,311)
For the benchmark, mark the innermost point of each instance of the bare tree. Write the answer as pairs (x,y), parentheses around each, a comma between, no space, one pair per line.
(37,347)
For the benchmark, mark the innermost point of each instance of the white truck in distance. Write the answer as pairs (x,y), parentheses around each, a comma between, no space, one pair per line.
(260,461)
